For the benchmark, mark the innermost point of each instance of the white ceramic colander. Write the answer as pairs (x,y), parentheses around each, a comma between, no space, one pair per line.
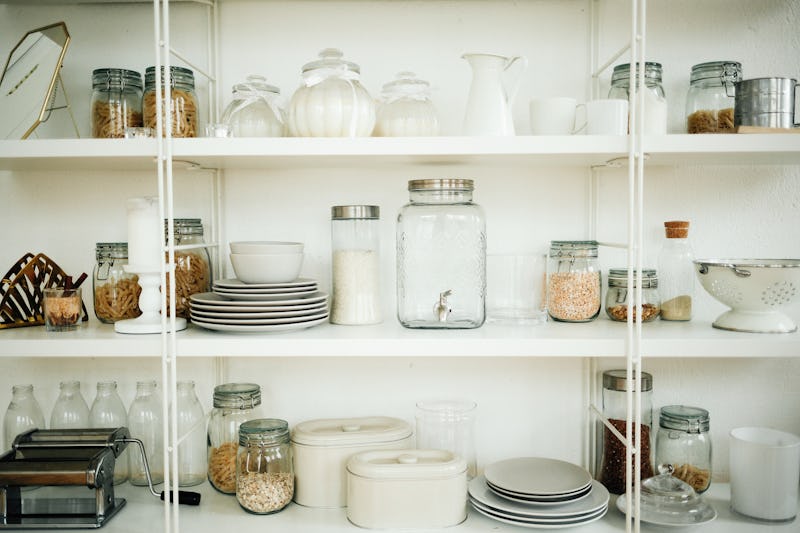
(754,289)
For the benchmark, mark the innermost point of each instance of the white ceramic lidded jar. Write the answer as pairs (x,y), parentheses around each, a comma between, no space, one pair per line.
(331,102)
(254,110)
(406,109)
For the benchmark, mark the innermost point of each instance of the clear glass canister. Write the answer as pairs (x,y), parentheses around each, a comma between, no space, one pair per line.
(655,100)
(573,281)
(331,102)
(676,272)
(116,292)
(234,403)
(441,256)
(406,108)
(183,117)
(355,242)
(683,444)
(711,97)
(610,450)
(116,102)
(254,110)
(264,471)
(192,266)
(619,294)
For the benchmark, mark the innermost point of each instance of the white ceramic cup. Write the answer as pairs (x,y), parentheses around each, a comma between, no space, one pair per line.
(553,116)
(607,117)
(765,473)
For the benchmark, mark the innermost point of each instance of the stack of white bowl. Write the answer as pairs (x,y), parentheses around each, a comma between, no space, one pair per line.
(266,261)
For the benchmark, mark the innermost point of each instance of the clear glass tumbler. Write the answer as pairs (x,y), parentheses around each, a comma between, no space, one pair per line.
(448,425)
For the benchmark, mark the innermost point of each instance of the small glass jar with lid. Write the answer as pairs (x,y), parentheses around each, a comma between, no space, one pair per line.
(254,110)
(619,294)
(573,281)
(192,265)
(332,102)
(264,471)
(234,403)
(355,242)
(683,444)
(116,102)
(655,100)
(441,256)
(406,109)
(183,118)
(711,97)
(116,292)
(611,453)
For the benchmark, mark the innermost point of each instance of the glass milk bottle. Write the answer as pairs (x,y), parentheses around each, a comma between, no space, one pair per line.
(144,423)
(192,459)
(355,243)
(23,413)
(108,411)
(676,272)
(70,410)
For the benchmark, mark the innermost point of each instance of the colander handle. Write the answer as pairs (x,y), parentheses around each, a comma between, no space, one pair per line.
(740,272)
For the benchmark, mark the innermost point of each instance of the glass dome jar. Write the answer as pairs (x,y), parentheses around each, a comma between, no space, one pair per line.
(254,110)
(655,100)
(441,256)
(619,294)
(331,102)
(116,292)
(116,102)
(573,281)
(192,266)
(406,108)
(264,471)
(234,403)
(183,120)
(711,98)
(683,444)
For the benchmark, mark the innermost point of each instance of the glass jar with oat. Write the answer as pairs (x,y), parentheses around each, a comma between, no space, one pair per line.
(192,263)
(116,292)
(619,294)
(573,281)
(683,444)
(711,96)
(116,102)
(264,471)
(183,101)
(234,403)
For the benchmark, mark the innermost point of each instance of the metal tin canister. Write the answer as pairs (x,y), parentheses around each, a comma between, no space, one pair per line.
(765,102)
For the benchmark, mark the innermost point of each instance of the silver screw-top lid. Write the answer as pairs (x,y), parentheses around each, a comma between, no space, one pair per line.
(447,184)
(237,395)
(617,380)
(346,212)
(685,418)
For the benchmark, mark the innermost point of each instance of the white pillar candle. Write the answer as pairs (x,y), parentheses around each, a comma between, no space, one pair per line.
(145,234)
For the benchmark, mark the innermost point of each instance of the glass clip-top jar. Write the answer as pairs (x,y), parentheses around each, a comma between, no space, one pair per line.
(192,264)
(619,294)
(116,102)
(710,101)
(406,108)
(116,292)
(183,102)
(264,471)
(683,444)
(254,110)
(655,100)
(573,281)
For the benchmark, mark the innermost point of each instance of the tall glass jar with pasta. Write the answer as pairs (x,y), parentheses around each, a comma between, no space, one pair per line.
(192,263)
(116,292)
(183,112)
(116,102)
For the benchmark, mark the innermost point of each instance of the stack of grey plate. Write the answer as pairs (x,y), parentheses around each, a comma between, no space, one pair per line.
(538,492)
(260,307)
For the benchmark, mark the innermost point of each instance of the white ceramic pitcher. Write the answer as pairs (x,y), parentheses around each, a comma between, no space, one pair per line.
(489,104)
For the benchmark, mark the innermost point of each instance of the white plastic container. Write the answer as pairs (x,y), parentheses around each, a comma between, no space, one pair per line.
(322,447)
(406,489)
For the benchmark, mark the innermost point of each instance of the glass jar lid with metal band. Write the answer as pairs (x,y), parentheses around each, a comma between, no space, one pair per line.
(619,294)
(711,99)
(683,444)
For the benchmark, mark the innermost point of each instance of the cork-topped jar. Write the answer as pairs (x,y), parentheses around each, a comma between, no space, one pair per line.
(676,272)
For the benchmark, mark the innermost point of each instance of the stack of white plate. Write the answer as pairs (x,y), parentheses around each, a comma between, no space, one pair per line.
(260,307)
(538,492)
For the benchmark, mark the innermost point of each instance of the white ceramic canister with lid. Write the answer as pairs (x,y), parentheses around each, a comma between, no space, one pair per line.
(322,447)
(406,489)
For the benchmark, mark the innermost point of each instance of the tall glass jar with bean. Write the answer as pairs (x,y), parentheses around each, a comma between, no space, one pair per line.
(573,281)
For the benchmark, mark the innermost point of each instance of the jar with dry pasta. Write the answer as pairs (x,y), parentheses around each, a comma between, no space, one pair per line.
(264,471)
(116,102)
(234,403)
(182,119)
(192,263)
(711,97)
(573,281)
(683,444)
(116,292)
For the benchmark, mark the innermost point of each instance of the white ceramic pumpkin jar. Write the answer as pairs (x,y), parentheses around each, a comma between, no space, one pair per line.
(331,102)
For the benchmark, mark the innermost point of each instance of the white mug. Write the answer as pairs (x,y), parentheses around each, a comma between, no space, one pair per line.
(553,116)
(607,117)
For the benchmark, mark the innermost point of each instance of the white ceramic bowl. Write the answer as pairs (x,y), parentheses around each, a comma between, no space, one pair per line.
(754,289)
(266,247)
(267,268)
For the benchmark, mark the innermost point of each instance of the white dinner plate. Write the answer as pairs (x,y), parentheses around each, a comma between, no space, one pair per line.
(218,301)
(227,310)
(542,524)
(275,290)
(313,310)
(257,321)
(260,329)
(594,501)
(706,513)
(557,520)
(538,476)
(539,500)
(234,283)
(266,297)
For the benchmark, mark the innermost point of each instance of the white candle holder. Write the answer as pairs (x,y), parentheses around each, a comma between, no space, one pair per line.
(150,305)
